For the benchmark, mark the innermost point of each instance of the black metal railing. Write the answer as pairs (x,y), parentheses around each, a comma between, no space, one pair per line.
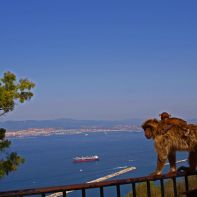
(115,183)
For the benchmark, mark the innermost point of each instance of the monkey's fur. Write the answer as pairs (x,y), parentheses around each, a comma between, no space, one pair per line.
(167,123)
(172,140)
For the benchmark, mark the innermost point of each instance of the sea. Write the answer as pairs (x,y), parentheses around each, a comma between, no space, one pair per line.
(49,160)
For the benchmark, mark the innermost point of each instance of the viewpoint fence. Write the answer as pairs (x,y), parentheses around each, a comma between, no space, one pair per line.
(64,190)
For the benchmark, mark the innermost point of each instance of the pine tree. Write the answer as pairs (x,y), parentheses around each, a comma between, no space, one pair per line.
(12,92)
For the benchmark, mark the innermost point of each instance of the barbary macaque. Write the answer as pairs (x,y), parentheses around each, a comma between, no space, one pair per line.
(172,140)
(167,122)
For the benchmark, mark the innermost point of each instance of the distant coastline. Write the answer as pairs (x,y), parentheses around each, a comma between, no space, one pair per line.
(33,132)
(30,128)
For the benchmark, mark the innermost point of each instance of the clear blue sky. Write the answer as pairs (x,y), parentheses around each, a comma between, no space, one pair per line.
(102,59)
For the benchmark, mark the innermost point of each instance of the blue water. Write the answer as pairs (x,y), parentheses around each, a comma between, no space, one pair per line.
(49,159)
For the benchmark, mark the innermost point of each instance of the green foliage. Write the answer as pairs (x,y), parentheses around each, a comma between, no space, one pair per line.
(141,188)
(8,161)
(11,93)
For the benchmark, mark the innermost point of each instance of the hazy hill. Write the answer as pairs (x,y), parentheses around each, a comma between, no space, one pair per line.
(67,124)
(193,121)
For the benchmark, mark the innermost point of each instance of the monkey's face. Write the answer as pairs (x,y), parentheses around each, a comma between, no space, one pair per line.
(150,127)
(148,133)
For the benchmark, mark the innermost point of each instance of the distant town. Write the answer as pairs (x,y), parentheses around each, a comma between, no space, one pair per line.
(30,128)
(31,132)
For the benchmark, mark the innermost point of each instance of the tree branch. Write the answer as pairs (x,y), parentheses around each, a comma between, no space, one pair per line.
(3,113)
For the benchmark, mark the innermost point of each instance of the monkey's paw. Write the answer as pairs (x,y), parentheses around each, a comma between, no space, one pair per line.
(155,174)
(171,173)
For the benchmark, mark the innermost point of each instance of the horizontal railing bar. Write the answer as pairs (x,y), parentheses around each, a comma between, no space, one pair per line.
(88,185)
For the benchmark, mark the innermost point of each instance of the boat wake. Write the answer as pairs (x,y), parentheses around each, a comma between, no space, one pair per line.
(179,161)
(119,167)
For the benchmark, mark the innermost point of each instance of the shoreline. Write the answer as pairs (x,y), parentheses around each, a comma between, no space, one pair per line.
(50,132)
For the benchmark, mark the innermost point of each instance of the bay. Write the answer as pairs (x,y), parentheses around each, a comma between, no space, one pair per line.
(49,159)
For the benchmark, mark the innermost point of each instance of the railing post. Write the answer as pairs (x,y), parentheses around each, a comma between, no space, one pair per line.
(83,193)
(186,184)
(118,190)
(174,186)
(134,189)
(64,193)
(162,188)
(101,192)
(148,188)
